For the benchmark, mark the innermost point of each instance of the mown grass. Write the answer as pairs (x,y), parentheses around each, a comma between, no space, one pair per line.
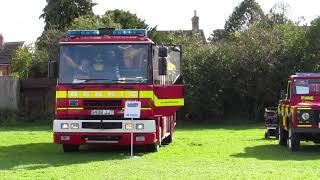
(199,151)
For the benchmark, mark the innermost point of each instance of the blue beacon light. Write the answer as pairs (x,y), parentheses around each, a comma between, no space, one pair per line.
(74,33)
(141,32)
(118,32)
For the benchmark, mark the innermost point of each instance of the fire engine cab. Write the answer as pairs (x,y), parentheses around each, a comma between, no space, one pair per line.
(98,71)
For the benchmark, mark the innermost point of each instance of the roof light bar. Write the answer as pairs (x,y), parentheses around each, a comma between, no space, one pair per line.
(307,74)
(132,32)
(75,33)
(118,32)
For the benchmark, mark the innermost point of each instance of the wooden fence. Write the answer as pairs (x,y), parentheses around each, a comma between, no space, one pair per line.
(38,95)
(31,95)
(9,92)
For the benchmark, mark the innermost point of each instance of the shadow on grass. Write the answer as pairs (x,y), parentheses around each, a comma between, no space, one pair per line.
(181,125)
(27,127)
(277,152)
(42,155)
(187,126)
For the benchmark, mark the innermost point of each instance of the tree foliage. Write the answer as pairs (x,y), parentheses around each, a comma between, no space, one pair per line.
(217,36)
(243,15)
(94,22)
(126,19)
(279,14)
(21,62)
(61,13)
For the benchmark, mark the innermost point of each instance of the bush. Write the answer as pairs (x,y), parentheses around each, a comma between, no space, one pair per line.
(11,117)
(8,117)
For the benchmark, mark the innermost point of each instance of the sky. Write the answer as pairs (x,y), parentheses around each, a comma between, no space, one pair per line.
(19,19)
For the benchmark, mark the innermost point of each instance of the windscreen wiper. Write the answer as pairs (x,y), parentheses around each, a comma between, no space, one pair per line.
(88,80)
(130,80)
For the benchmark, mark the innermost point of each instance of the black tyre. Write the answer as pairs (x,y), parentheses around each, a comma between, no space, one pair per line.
(70,148)
(293,141)
(282,136)
(266,135)
(153,147)
(168,139)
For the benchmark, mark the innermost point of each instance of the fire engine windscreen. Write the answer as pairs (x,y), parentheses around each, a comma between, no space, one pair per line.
(306,86)
(103,63)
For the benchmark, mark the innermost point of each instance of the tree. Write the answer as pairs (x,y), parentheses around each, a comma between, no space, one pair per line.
(126,19)
(47,49)
(278,14)
(21,62)
(312,47)
(60,13)
(94,22)
(243,15)
(217,35)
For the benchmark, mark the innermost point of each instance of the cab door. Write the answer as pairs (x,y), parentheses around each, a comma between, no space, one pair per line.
(168,89)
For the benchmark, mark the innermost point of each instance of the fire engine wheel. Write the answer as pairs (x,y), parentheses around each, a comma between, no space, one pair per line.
(266,135)
(155,146)
(70,148)
(293,141)
(168,139)
(282,136)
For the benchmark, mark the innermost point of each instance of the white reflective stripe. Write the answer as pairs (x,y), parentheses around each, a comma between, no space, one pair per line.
(149,126)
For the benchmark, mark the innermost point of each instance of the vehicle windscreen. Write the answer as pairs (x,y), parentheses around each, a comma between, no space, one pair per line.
(306,86)
(103,63)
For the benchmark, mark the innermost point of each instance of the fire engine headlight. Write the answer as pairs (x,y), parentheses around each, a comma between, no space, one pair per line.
(64,126)
(128,126)
(74,125)
(139,126)
(305,116)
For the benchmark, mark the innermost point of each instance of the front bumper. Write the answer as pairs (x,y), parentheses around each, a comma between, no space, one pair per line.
(112,135)
(306,130)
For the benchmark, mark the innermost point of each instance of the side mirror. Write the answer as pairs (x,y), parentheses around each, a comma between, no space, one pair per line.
(52,69)
(163,51)
(176,49)
(162,66)
(282,94)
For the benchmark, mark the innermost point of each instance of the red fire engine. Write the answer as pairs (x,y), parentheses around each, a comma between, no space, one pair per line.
(98,71)
(299,111)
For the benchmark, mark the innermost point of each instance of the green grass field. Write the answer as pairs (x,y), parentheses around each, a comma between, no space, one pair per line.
(199,152)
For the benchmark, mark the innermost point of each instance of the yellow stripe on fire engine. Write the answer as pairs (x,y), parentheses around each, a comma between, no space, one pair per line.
(304,125)
(161,102)
(61,94)
(304,104)
(121,94)
(306,108)
(97,94)
(307,98)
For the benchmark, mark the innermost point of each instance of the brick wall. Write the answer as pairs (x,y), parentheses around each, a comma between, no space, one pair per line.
(4,69)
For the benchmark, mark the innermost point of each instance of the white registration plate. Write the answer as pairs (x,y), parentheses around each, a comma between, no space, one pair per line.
(102,112)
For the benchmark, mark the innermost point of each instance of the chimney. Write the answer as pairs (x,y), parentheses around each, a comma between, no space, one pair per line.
(1,40)
(195,22)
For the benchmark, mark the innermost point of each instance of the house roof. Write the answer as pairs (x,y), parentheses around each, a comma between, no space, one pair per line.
(7,50)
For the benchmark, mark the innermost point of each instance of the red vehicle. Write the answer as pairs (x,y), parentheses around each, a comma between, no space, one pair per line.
(98,71)
(299,111)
